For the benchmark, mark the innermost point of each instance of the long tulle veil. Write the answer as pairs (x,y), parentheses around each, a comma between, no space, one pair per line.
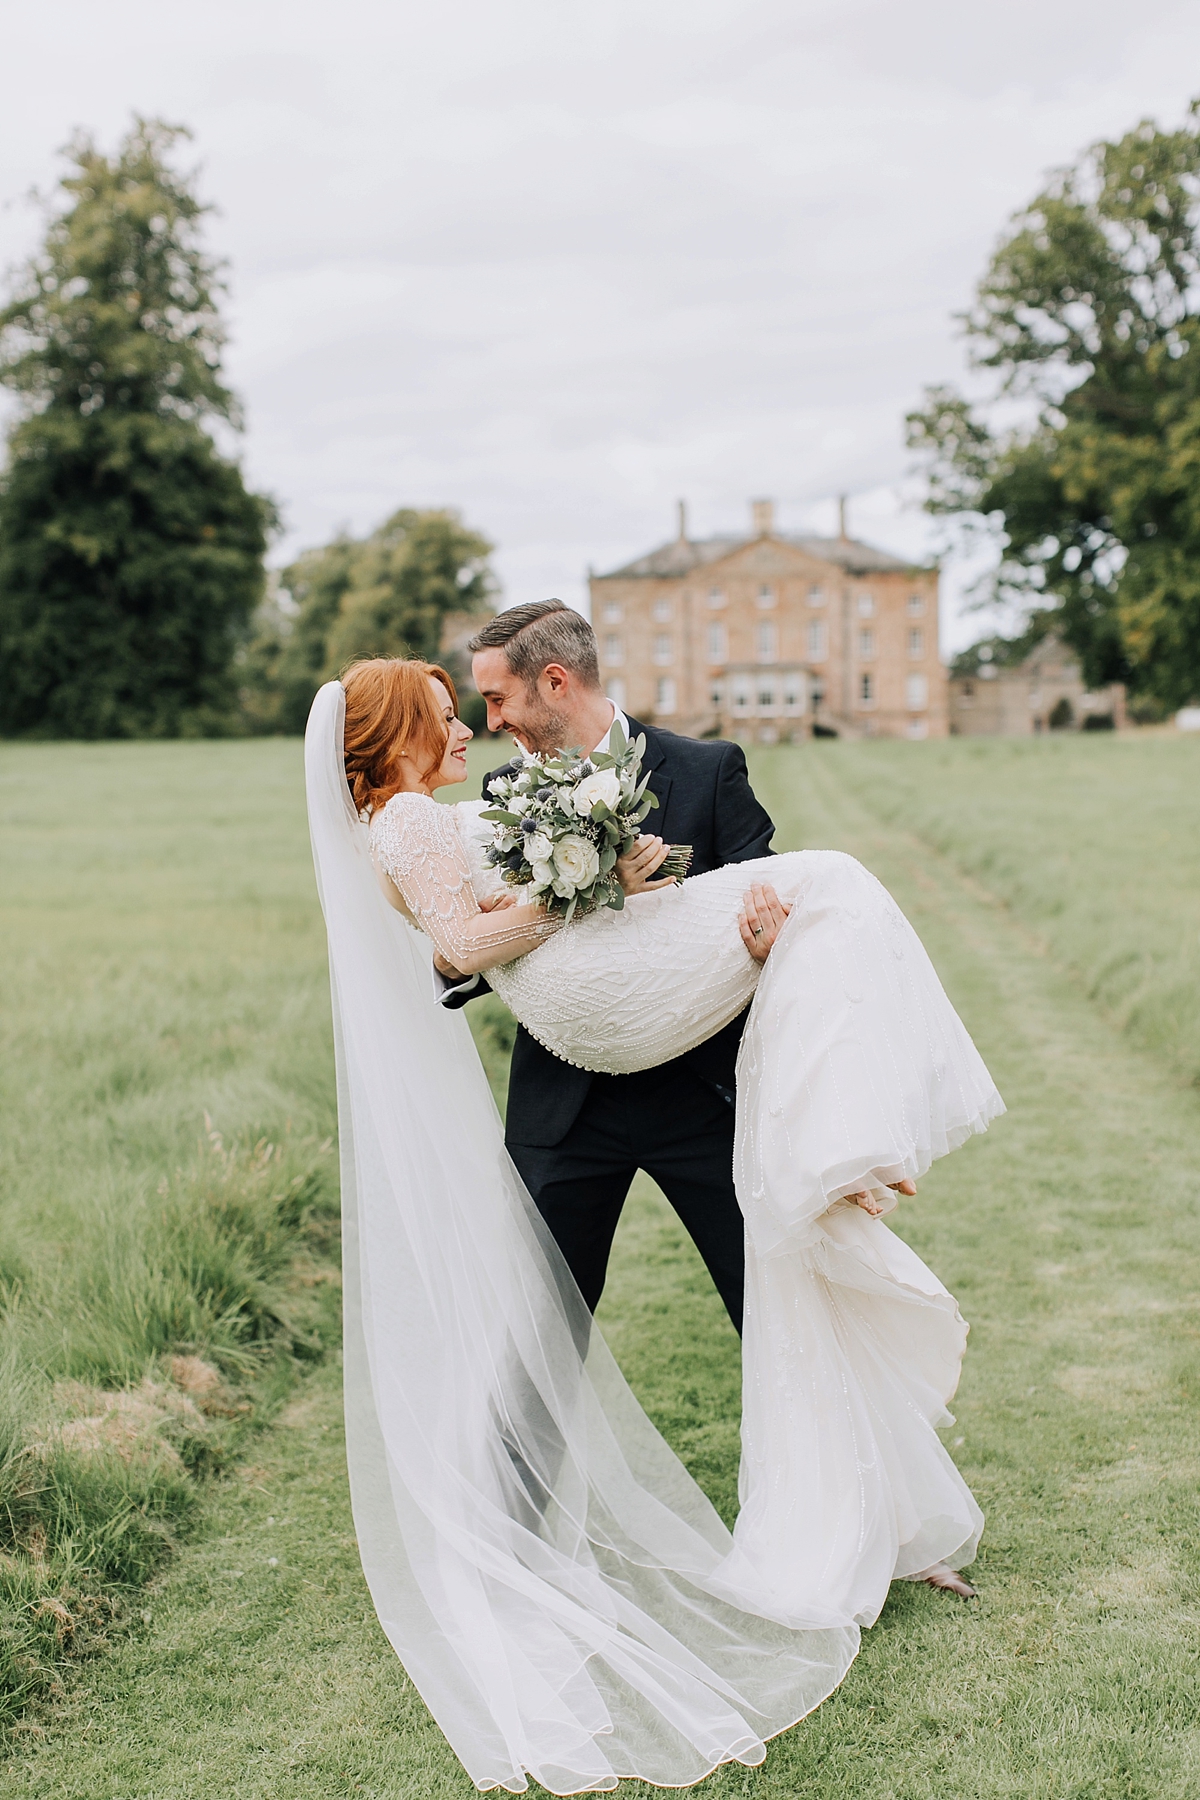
(544,1566)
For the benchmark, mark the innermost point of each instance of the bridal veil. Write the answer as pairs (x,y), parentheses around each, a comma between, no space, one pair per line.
(554,1582)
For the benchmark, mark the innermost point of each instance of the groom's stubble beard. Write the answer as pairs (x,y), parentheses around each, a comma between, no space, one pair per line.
(544,729)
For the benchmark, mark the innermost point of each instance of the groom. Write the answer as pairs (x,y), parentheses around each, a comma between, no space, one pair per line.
(577,1138)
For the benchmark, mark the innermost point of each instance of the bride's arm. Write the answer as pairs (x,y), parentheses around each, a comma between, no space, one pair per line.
(417,846)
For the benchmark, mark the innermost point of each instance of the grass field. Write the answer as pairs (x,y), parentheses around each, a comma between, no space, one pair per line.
(166,962)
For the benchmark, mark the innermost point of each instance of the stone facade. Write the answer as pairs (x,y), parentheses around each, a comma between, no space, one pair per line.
(764,636)
(1043,693)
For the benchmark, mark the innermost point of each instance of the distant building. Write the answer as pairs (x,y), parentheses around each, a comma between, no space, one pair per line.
(1045,692)
(768,636)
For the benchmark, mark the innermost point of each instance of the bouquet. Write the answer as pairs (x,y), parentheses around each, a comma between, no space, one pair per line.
(561,822)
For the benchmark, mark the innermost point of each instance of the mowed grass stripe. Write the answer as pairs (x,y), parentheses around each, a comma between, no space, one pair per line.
(1092,840)
(1068,1234)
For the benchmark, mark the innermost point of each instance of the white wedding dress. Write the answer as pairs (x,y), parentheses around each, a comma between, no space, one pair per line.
(560,1591)
(855,1071)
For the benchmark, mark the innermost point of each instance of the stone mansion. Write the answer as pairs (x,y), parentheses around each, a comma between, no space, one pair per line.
(767,636)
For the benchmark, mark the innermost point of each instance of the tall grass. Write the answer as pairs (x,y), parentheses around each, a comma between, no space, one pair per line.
(1094,842)
(168,1183)
(1068,1234)
(167,1178)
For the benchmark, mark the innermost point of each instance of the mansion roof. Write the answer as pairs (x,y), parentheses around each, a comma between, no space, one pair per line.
(685,554)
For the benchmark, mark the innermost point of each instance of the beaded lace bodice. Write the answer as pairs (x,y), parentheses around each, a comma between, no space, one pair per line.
(416,843)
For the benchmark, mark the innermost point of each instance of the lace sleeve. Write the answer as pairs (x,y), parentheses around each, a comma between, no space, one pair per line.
(416,843)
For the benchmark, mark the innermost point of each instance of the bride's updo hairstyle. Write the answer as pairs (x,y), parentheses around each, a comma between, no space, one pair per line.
(390,713)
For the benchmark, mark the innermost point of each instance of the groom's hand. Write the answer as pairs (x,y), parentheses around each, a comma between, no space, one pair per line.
(761,919)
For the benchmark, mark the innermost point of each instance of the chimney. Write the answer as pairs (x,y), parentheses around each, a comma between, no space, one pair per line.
(681,516)
(762,517)
(843,534)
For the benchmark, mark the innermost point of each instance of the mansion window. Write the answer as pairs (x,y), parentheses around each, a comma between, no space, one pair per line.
(664,695)
(816,595)
(916,641)
(766,697)
(614,612)
(916,606)
(793,695)
(916,693)
(664,648)
(765,641)
(716,598)
(663,610)
(766,599)
(741,696)
(616,692)
(866,606)
(614,648)
(816,640)
(718,648)
(866,644)
(716,696)
(866,689)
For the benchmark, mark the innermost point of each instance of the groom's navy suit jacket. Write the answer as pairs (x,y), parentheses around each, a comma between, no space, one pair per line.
(705,800)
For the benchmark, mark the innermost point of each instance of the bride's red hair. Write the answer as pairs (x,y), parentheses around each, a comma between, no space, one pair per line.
(391,712)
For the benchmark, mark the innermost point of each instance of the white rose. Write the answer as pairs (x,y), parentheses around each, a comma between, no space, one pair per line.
(543,873)
(577,861)
(604,785)
(538,847)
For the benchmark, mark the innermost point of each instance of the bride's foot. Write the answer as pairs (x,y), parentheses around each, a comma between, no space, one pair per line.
(939,1576)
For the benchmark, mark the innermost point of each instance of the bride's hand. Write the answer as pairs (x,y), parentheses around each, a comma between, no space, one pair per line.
(635,869)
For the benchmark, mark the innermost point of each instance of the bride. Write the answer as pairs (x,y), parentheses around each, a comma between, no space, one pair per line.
(561,1593)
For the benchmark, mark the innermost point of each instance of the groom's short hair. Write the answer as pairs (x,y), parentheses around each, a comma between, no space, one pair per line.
(542,632)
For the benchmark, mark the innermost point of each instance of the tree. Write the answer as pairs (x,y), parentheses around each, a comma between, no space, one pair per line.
(388,594)
(131,553)
(1088,324)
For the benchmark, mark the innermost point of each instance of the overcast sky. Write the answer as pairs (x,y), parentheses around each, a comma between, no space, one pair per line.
(558,265)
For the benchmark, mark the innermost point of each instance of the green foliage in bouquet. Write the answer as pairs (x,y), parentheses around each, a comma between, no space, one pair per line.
(562,821)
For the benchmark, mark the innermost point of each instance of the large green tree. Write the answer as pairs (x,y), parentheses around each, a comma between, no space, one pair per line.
(388,594)
(131,553)
(1086,327)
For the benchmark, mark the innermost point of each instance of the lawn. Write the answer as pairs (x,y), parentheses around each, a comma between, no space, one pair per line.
(166,962)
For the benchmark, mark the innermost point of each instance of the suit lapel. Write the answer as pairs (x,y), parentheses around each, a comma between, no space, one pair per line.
(660,781)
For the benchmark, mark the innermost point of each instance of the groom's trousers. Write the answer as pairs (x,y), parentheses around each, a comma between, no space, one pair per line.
(675,1126)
